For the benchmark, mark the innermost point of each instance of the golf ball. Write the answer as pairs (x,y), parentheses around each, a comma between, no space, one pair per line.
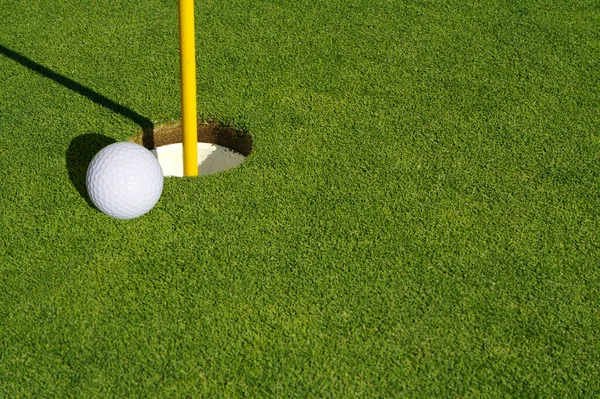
(124,180)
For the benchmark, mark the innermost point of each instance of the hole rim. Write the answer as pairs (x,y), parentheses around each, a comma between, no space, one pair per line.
(212,132)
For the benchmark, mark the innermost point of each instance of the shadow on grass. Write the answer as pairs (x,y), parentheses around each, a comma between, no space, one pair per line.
(78,88)
(79,155)
(83,148)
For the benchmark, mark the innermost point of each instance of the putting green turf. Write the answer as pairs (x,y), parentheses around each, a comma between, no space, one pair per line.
(419,216)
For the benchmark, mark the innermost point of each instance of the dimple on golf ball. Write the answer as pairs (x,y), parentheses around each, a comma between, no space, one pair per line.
(124,180)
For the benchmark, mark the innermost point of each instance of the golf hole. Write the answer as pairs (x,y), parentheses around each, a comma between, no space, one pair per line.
(219,147)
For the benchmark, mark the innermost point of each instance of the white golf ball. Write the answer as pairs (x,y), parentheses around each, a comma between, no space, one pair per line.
(124,180)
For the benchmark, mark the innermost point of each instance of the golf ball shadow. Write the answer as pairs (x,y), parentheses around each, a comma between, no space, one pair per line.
(80,153)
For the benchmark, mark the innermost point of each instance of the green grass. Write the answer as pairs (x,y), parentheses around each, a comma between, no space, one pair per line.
(419,216)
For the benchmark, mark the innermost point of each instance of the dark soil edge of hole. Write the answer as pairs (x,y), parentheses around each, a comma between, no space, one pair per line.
(208,132)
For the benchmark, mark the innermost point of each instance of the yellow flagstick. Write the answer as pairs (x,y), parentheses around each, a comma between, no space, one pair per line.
(187,49)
